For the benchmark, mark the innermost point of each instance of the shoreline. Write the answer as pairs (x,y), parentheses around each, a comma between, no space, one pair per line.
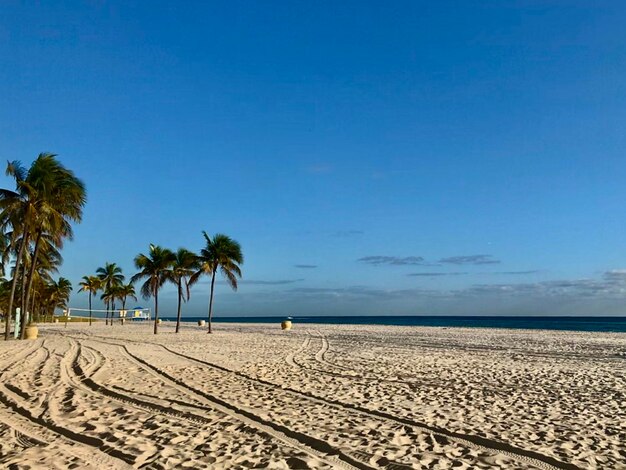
(534,323)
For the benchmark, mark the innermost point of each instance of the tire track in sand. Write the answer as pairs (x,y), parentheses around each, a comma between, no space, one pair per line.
(38,428)
(320,358)
(526,456)
(290,358)
(468,440)
(316,448)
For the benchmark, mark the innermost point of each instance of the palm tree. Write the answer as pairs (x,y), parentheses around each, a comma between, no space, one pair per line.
(5,288)
(48,261)
(16,209)
(110,275)
(48,197)
(107,298)
(156,269)
(92,285)
(110,295)
(185,264)
(58,294)
(223,253)
(63,289)
(61,197)
(124,291)
(5,251)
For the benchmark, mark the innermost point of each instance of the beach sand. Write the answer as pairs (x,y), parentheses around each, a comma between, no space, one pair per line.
(319,396)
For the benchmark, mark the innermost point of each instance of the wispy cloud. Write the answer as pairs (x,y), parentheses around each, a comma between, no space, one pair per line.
(615,275)
(305,266)
(393,260)
(476,260)
(611,285)
(470,259)
(516,273)
(435,274)
(601,295)
(358,293)
(257,282)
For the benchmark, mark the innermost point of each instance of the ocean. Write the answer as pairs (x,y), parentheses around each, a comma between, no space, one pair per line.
(610,324)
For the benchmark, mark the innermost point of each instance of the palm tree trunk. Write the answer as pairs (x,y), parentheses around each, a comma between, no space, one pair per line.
(112,311)
(20,254)
(124,310)
(23,298)
(23,309)
(31,307)
(180,294)
(211,300)
(89,308)
(156,310)
(31,275)
(107,315)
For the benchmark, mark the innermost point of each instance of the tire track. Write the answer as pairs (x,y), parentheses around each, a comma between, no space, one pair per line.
(319,357)
(469,440)
(427,343)
(68,368)
(529,457)
(19,356)
(316,448)
(27,435)
(14,402)
(290,358)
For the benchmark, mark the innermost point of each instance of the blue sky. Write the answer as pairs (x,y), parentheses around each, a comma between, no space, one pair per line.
(371,158)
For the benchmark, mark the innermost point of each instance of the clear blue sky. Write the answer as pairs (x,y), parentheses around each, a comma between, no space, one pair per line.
(416,157)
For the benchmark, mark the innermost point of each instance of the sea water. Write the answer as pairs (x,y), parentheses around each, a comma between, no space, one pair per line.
(610,324)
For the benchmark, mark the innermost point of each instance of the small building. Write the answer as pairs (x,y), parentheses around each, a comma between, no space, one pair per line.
(137,313)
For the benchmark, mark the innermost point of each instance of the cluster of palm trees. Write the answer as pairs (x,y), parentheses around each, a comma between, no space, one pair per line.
(110,280)
(183,268)
(35,219)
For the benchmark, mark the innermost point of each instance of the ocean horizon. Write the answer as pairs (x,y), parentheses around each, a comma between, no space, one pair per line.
(615,324)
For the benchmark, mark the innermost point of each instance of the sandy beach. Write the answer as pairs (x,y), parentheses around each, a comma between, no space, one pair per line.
(319,396)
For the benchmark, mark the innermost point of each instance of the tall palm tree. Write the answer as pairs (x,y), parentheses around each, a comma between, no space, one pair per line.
(110,275)
(124,291)
(48,260)
(48,197)
(92,285)
(220,253)
(15,211)
(107,298)
(184,266)
(156,269)
(61,197)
